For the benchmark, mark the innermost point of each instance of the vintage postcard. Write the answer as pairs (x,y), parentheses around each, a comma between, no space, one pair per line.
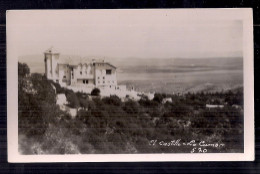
(130,85)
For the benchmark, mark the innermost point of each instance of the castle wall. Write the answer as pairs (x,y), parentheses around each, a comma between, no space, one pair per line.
(85,82)
(64,75)
(72,74)
(48,67)
(51,66)
(85,71)
(103,77)
(55,67)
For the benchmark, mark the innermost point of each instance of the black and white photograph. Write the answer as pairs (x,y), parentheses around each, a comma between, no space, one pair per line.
(130,85)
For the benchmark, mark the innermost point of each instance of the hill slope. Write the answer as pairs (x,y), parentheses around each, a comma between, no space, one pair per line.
(108,125)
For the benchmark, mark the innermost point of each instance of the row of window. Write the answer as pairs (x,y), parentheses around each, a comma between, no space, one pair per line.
(86,81)
(73,77)
(108,72)
(107,82)
(86,72)
(99,78)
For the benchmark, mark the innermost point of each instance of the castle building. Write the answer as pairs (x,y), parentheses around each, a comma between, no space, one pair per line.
(75,72)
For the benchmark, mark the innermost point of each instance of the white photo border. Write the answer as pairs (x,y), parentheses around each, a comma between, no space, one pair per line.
(245,15)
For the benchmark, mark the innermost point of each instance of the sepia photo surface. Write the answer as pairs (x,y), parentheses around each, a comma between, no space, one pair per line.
(130,85)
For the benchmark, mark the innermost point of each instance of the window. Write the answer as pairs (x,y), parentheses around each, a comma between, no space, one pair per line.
(103,77)
(85,81)
(108,72)
(80,72)
(64,77)
(97,77)
(103,81)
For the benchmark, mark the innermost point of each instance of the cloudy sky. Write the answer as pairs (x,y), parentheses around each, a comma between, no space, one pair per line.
(125,33)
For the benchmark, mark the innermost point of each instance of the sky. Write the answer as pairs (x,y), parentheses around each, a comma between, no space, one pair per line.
(125,33)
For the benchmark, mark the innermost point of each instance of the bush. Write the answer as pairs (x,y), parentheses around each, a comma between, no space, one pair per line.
(159,97)
(145,102)
(83,103)
(82,95)
(131,107)
(72,99)
(95,92)
(112,100)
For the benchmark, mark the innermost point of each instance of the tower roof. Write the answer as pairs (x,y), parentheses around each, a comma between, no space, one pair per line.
(51,50)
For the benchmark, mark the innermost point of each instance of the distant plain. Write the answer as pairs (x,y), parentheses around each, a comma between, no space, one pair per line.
(169,75)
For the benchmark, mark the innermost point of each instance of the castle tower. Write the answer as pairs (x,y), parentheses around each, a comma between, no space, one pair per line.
(51,58)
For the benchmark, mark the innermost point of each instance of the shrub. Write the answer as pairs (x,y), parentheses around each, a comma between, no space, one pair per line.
(131,107)
(144,101)
(112,100)
(158,97)
(82,95)
(72,99)
(95,92)
(83,103)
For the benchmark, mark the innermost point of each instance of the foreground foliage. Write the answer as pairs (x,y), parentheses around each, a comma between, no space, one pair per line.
(108,125)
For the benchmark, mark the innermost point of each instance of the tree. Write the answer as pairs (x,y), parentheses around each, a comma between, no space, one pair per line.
(112,100)
(23,69)
(95,92)
(131,107)
(72,99)
(158,97)
(83,103)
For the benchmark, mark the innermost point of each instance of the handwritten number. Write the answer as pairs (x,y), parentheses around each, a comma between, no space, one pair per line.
(199,150)
(193,150)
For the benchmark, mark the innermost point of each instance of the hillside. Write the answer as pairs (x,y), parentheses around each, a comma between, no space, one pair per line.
(110,125)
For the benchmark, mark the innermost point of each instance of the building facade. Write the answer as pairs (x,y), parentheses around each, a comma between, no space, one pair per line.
(75,72)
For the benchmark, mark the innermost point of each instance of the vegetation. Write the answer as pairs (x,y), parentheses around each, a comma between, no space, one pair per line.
(108,125)
(23,70)
(95,92)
